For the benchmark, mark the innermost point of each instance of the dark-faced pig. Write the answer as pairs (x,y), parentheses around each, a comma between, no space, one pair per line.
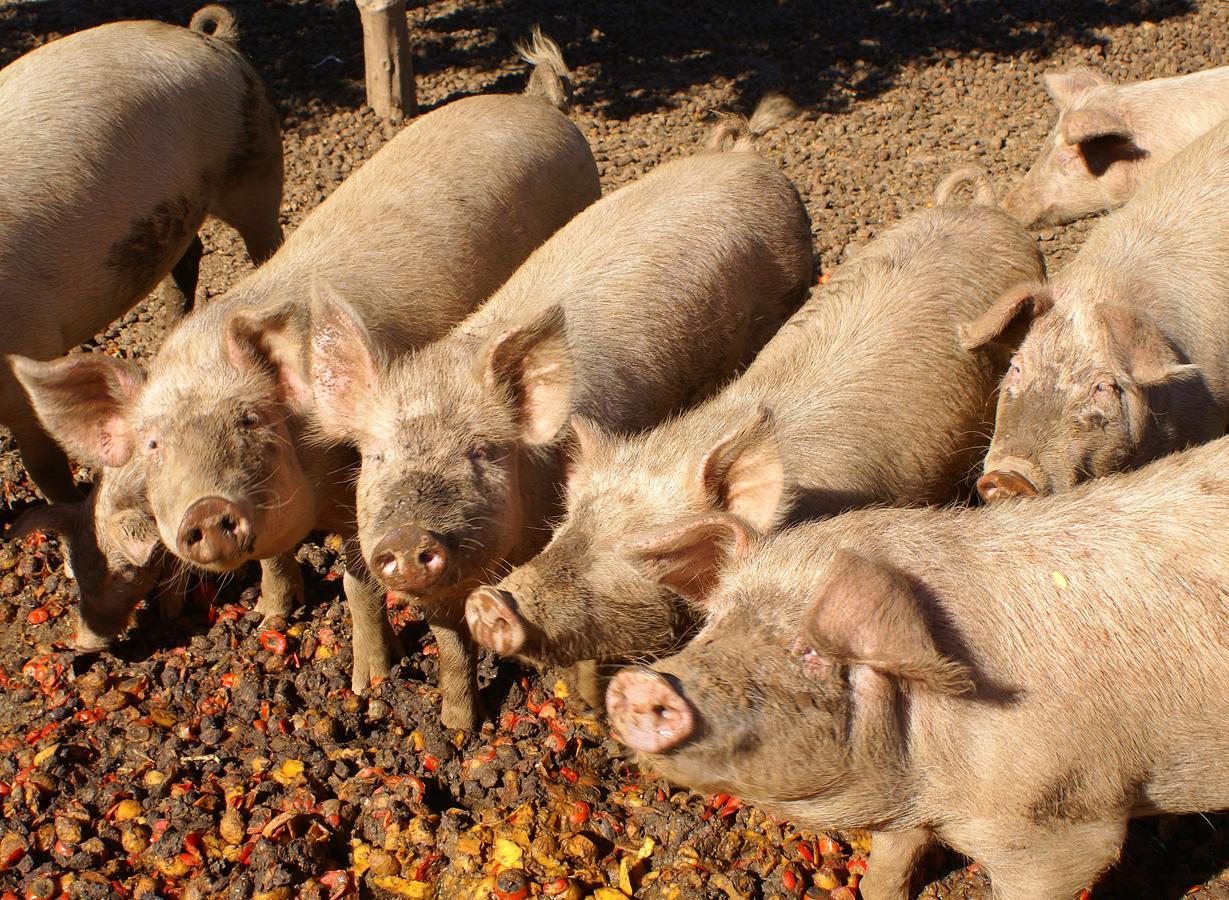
(1016,681)
(865,396)
(117,142)
(645,302)
(427,228)
(1111,138)
(112,549)
(1126,355)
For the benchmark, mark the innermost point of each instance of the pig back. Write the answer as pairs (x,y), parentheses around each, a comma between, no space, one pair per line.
(427,228)
(670,284)
(437,220)
(113,139)
(873,396)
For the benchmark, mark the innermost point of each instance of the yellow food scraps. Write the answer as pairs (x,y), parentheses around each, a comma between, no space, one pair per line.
(406,887)
(45,754)
(289,772)
(127,809)
(360,857)
(1059,579)
(507,853)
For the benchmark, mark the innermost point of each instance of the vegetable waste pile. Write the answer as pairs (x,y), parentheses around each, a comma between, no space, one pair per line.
(218,756)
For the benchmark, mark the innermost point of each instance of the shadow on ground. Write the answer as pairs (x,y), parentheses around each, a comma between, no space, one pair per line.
(640,54)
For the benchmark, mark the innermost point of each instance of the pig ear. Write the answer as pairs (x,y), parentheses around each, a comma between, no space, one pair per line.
(55,518)
(743,473)
(135,534)
(1091,122)
(1009,317)
(689,556)
(83,401)
(1138,349)
(343,366)
(533,365)
(1064,87)
(270,340)
(867,614)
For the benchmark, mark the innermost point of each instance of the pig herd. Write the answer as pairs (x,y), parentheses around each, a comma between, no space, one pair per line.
(592,431)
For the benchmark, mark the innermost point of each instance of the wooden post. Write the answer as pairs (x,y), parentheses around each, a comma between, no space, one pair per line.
(386,52)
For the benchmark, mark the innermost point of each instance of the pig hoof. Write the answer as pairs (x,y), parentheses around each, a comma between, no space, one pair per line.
(462,717)
(270,606)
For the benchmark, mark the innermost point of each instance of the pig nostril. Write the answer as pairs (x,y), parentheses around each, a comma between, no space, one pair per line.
(228,525)
(426,558)
(387,564)
(195,536)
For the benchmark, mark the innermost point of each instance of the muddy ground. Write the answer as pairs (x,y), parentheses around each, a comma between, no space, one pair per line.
(218,757)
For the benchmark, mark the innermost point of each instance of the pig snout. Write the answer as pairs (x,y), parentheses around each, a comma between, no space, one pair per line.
(1009,478)
(214,530)
(410,559)
(89,640)
(646,711)
(493,620)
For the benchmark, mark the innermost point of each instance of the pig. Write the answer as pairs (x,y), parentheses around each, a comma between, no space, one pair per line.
(1001,679)
(1124,355)
(221,428)
(864,397)
(645,302)
(113,551)
(118,142)
(1111,138)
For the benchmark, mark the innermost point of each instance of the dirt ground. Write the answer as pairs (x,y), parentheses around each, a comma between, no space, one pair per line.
(218,757)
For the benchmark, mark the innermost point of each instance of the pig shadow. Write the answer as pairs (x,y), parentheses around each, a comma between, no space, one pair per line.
(826,54)
(638,55)
(1163,858)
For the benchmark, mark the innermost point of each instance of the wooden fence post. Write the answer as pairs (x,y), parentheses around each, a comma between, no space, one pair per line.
(386,53)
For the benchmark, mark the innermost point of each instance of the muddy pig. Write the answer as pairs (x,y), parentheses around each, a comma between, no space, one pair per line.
(865,396)
(1111,138)
(1126,355)
(645,302)
(1000,679)
(117,143)
(222,425)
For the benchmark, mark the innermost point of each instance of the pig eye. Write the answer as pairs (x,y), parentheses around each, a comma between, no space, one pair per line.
(151,444)
(1104,390)
(373,459)
(479,453)
(248,420)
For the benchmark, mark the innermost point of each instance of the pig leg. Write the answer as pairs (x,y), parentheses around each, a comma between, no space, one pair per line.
(894,857)
(179,290)
(281,585)
(251,209)
(45,461)
(376,648)
(461,706)
(589,683)
(1054,861)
